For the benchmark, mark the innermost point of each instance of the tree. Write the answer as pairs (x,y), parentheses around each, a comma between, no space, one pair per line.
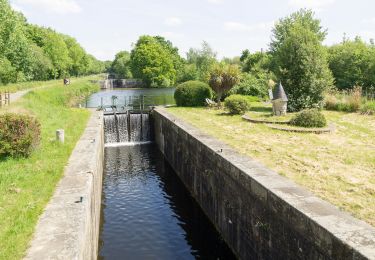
(7,71)
(121,65)
(223,77)
(352,63)
(153,63)
(76,55)
(300,60)
(204,60)
(258,62)
(14,45)
(41,65)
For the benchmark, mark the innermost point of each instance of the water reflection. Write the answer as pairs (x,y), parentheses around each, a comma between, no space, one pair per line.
(149,214)
(152,96)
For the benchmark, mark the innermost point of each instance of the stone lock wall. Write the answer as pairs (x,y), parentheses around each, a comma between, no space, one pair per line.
(260,214)
(69,226)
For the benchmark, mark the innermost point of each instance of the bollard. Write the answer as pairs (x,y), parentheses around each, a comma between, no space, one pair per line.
(60,135)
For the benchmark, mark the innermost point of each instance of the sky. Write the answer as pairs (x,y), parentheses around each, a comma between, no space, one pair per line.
(104,28)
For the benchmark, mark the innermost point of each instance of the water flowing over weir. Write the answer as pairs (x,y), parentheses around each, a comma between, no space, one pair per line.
(127,127)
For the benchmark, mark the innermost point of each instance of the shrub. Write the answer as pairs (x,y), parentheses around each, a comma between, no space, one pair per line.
(252,86)
(192,93)
(309,118)
(368,108)
(19,134)
(237,104)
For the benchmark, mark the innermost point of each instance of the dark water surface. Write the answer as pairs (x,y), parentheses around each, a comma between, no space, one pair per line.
(147,213)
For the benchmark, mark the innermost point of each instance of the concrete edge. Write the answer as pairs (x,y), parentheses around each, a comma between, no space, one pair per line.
(332,223)
(69,226)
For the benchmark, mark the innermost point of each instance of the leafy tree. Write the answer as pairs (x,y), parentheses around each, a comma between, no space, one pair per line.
(204,60)
(252,85)
(121,65)
(14,45)
(76,55)
(187,72)
(223,77)
(57,50)
(41,65)
(258,62)
(300,60)
(153,63)
(234,61)
(7,71)
(352,63)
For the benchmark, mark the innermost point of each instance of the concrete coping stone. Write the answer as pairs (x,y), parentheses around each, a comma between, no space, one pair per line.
(334,224)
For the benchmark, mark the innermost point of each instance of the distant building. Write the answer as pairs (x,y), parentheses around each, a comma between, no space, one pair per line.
(279,101)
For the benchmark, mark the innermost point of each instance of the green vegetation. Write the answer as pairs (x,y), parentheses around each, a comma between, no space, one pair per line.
(26,184)
(30,52)
(121,65)
(237,104)
(202,61)
(19,135)
(192,93)
(252,85)
(368,108)
(353,64)
(223,77)
(338,167)
(155,61)
(309,118)
(348,102)
(300,60)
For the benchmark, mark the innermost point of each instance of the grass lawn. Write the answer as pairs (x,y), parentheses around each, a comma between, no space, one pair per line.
(26,184)
(338,167)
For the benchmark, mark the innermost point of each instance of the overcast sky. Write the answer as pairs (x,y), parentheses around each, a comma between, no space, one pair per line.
(229,26)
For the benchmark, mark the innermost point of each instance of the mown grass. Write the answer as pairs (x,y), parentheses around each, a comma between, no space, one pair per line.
(27,184)
(338,167)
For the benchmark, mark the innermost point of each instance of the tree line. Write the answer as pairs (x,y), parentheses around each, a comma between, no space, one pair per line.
(31,52)
(296,57)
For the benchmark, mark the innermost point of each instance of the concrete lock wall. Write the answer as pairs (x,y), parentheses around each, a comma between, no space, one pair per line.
(69,226)
(259,213)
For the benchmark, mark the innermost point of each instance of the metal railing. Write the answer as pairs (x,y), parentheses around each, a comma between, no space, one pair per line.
(141,103)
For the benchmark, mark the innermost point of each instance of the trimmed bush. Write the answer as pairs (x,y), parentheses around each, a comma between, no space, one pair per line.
(19,135)
(309,118)
(192,94)
(237,104)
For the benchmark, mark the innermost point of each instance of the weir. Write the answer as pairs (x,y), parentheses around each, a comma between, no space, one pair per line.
(127,127)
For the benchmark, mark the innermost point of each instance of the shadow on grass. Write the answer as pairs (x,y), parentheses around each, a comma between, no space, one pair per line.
(261,109)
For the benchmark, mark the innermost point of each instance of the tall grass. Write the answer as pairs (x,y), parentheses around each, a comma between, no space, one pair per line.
(26,184)
(350,101)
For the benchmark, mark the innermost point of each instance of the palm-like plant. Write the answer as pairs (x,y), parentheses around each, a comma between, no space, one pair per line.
(223,77)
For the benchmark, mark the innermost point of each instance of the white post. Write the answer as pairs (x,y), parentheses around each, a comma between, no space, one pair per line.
(60,135)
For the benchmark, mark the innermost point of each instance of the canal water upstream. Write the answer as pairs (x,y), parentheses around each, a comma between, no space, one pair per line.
(147,213)
(154,96)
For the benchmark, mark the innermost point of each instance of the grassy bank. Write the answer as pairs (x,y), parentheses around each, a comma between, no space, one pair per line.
(338,167)
(14,87)
(26,184)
